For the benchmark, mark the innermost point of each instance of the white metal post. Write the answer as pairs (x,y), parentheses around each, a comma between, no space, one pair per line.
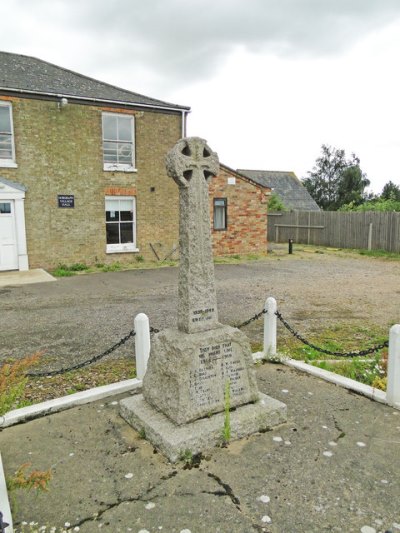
(393,372)
(142,344)
(270,328)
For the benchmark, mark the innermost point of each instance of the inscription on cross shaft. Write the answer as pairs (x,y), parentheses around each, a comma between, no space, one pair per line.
(191,163)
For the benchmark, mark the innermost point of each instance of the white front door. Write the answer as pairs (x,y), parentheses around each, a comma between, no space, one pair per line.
(8,237)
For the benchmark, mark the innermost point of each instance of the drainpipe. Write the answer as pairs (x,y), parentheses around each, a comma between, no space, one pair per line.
(184,122)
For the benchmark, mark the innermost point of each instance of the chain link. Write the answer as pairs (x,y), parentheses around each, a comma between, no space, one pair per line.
(295,333)
(361,353)
(255,317)
(83,363)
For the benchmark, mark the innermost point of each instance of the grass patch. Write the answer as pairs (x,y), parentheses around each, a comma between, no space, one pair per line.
(370,372)
(343,338)
(138,262)
(61,272)
(236,258)
(113,267)
(40,389)
(381,254)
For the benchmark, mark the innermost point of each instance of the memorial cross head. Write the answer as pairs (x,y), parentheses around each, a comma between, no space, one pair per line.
(190,158)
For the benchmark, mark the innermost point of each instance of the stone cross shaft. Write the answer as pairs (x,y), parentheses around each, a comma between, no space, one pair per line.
(191,163)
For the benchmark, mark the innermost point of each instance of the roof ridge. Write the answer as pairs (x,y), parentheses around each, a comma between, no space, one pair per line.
(275,171)
(83,76)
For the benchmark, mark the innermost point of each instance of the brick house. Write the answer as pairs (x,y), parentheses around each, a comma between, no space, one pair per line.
(82,173)
(238,208)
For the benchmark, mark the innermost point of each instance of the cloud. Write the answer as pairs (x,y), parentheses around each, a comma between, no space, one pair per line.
(182,40)
(190,39)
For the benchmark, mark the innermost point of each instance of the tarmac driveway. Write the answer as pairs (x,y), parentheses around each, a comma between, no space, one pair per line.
(75,318)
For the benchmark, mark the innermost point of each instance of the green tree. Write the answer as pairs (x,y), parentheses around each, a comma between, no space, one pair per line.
(351,186)
(391,191)
(377,204)
(275,203)
(335,180)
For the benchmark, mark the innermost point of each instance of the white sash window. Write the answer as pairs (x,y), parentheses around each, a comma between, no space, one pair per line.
(120,224)
(7,150)
(118,142)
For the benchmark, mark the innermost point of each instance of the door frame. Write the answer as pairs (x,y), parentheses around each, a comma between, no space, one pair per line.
(16,192)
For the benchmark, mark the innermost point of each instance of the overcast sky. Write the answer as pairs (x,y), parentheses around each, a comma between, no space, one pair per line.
(268,81)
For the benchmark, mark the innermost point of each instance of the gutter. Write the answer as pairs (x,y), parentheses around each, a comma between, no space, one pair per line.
(182,110)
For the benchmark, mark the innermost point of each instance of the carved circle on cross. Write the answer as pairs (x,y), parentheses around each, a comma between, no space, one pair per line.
(191,158)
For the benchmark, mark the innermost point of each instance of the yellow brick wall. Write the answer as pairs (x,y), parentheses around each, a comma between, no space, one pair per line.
(60,152)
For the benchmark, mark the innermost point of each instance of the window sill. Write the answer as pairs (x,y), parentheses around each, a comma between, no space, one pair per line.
(7,164)
(108,167)
(121,248)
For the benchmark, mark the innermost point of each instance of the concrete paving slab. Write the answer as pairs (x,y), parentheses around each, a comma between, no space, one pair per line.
(17,277)
(334,466)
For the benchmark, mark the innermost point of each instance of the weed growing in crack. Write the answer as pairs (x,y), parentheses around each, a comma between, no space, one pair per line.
(37,480)
(226,433)
(191,460)
(186,456)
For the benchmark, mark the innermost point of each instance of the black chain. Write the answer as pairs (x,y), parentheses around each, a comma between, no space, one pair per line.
(361,353)
(3,525)
(255,317)
(84,363)
(132,333)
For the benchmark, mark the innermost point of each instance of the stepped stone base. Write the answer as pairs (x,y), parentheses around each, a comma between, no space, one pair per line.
(173,440)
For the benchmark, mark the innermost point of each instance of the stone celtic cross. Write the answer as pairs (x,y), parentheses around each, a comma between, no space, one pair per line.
(191,163)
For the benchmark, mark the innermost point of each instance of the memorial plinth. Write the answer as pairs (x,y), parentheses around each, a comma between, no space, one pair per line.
(183,400)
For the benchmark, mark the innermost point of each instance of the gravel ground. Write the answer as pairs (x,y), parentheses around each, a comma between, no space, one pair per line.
(75,318)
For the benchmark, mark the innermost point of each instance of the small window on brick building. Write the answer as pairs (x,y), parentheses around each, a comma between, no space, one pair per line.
(118,142)
(120,224)
(7,151)
(220,214)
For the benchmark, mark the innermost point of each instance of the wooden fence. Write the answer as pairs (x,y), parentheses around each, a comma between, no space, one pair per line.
(369,230)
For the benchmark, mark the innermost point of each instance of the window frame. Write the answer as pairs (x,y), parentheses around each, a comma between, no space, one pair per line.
(225,208)
(121,167)
(9,162)
(122,247)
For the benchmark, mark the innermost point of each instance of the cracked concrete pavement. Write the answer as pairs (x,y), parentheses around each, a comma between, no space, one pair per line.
(334,466)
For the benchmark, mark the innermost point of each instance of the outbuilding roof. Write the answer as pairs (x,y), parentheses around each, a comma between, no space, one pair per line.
(240,175)
(287,186)
(31,76)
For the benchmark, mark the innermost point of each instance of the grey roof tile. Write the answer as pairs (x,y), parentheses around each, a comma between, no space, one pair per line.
(25,73)
(287,185)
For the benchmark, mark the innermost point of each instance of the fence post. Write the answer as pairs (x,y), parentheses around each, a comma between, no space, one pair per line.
(142,344)
(270,328)
(393,372)
(370,236)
